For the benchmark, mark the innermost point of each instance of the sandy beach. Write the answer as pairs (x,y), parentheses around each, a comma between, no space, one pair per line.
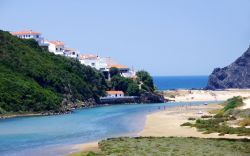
(204,95)
(167,123)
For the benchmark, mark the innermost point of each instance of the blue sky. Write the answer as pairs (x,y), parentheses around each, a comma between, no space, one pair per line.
(164,37)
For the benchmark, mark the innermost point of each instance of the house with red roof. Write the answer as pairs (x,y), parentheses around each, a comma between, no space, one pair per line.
(56,47)
(115,94)
(29,34)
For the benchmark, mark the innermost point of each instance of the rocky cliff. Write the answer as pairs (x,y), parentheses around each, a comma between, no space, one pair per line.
(236,75)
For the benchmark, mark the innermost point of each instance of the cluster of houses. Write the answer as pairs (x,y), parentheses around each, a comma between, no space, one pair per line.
(103,64)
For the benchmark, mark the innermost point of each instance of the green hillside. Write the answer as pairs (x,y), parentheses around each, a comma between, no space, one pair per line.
(34,80)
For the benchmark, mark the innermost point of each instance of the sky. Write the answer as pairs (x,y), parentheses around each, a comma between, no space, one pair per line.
(164,37)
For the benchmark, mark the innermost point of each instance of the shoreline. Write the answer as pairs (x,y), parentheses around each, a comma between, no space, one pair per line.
(180,95)
(166,123)
(33,114)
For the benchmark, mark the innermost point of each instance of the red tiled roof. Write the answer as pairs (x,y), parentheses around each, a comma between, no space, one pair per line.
(57,43)
(88,56)
(115,92)
(119,66)
(69,49)
(25,32)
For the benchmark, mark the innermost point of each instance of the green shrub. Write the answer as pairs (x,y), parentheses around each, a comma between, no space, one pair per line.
(187,124)
(245,122)
(191,118)
(233,103)
(206,116)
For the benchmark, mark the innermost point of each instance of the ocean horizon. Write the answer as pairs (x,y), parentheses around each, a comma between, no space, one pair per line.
(180,82)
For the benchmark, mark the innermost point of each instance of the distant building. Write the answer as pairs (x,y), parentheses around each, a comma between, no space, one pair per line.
(104,64)
(124,70)
(115,94)
(72,53)
(56,47)
(89,60)
(29,34)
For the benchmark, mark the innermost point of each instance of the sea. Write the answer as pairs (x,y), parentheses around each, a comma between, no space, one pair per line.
(180,82)
(57,135)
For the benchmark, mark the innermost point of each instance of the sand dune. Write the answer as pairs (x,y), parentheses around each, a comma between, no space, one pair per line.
(204,95)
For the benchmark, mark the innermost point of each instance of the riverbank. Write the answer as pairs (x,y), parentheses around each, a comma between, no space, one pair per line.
(167,123)
(145,98)
(204,95)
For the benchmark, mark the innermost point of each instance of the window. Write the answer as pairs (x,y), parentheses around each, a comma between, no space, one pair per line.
(56,49)
(37,36)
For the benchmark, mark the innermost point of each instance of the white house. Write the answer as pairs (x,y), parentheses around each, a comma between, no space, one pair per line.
(72,53)
(104,64)
(56,47)
(115,94)
(29,34)
(89,60)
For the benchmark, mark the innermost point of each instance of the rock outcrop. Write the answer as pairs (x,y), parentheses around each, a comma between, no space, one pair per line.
(236,75)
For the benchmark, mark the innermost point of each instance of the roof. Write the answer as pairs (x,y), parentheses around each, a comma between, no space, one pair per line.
(57,43)
(25,32)
(115,92)
(69,49)
(119,66)
(88,56)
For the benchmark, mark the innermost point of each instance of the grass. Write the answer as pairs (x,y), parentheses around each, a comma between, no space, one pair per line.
(232,103)
(218,122)
(174,146)
(214,111)
(244,122)
(84,154)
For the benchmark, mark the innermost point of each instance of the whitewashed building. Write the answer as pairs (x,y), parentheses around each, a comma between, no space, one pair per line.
(104,64)
(56,47)
(29,34)
(72,53)
(89,60)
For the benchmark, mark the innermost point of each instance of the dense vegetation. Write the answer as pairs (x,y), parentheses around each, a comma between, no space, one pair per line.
(149,146)
(220,121)
(34,80)
(133,87)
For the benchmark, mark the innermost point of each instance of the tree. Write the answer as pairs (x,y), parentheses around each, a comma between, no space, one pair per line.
(114,71)
(146,80)
(133,89)
(119,83)
(35,80)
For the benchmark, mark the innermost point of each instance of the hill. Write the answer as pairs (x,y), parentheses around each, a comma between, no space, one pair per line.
(35,80)
(236,75)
